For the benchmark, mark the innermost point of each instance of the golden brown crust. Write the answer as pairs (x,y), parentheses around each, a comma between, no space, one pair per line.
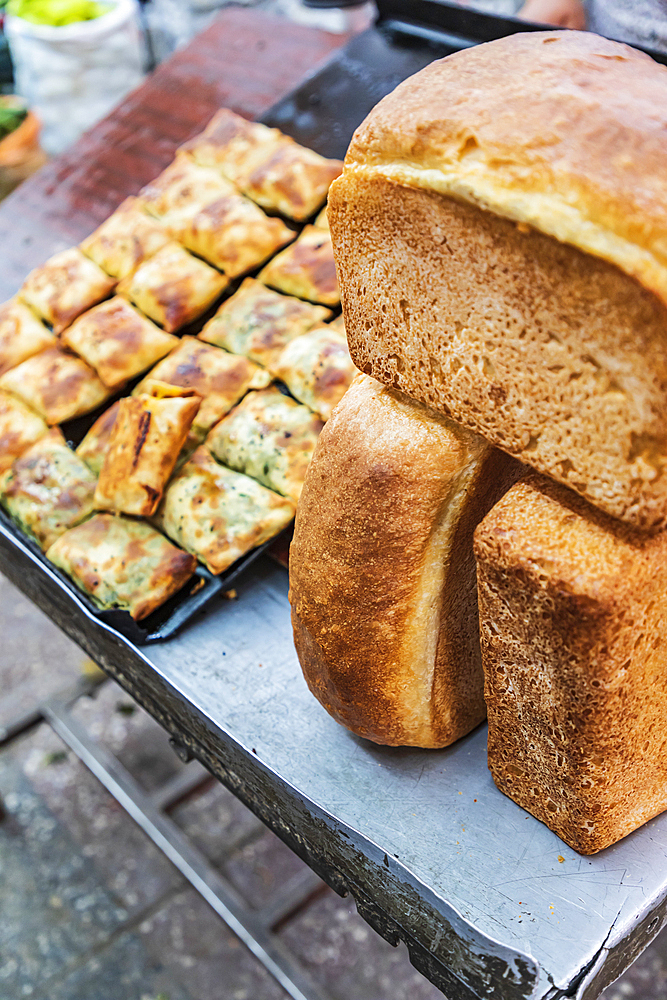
(117,341)
(94,445)
(317,368)
(48,489)
(271,168)
(382,577)
(220,378)
(59,385)
(127,238)
(572,141)
(20,427)
(305,269)
(144,445)
(551,354)
(122,563)
(181,190)
(573,619)
(64,287)
(219,515)
(21,335)
(173,287)
(258,322)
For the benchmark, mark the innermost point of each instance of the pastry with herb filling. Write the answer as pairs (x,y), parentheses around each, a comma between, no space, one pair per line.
(145,442)
(20,427)
(64,287)
(305,269)
(59,385)
(258,322)
(125,240)
(220,378)
(219,515)
(317,369)
(269,437)
(173,287)
(271,168)
(117,341)
(48,489)
(122,563)
(94,445)
(180,191)
(21,334)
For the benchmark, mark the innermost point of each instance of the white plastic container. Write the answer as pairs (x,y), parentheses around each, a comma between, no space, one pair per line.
(74,75)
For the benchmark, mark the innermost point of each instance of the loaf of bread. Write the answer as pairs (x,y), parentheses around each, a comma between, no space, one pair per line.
(573,613)
(500,232)
(382,574)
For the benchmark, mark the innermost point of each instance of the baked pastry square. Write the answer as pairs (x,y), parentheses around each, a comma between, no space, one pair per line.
(220,378)
(48,489)
(219,515)
(20,427)
(21,334)
(145,442)
(64,287)
(258,322)
(271,168)
(317,369)
(117,341)
(269,437)
(173,287)
(127,238)
(122,563)
(59,385)
(180,191)
(95,444)
(305,269)
(234,234)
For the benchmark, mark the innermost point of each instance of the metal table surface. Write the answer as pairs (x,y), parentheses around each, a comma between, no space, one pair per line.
(488,900)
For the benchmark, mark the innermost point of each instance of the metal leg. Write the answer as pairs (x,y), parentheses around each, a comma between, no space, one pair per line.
(250,927)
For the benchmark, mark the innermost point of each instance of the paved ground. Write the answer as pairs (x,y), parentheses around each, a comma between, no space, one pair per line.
(90,908)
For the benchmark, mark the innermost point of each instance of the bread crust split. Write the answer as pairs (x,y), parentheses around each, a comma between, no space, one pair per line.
(553,355)
(573,615)
(382,576)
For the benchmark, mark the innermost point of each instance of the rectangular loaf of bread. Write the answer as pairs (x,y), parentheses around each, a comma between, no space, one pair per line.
(573,614)
(501,243)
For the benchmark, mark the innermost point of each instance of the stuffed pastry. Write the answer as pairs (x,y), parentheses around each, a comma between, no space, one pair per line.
(322,220)
(117,341)
(122,563)
(220,378)
(125,240)
(180,191)
(269,437)
(20,427)
(271,168)
(305,269)
(173,287)
(48,489)
(317,369)
(59,385)
(95,444)
(21,335)
(219,515)
(147,436)
(258,322)
(234,234)
(64,287)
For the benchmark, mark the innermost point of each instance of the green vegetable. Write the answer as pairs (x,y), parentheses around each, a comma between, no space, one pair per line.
(57,12)
(10,118)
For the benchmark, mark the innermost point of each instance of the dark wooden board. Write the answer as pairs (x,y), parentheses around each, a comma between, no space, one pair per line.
(246,60)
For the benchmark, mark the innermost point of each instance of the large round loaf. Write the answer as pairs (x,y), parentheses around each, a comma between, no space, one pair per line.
(382,574)
(500,233)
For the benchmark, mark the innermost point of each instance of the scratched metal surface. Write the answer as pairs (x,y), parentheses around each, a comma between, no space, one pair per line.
(437,816)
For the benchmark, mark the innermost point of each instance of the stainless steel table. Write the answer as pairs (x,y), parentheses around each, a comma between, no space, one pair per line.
(488,901)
